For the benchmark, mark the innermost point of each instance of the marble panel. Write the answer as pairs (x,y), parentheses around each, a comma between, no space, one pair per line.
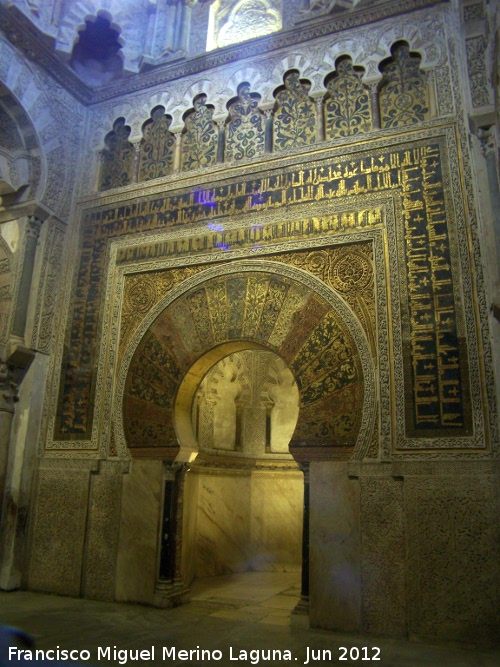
(248,520)
(21,466)
(104,524)
(136,567)
(190,513)
(335,548)
(58,530)
(223,529)
(453,554)
(383,556)
(276,520)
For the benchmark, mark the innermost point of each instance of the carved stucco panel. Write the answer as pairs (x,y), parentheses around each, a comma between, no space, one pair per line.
(57,118)
(314,60)
(453,540)
(49,289)
(383,558)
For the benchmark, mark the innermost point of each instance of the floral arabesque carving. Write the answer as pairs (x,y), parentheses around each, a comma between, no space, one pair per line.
(117,157)
(347,106)
(157,148)
(403,93)
(294,121)
(245,129)
(200,136)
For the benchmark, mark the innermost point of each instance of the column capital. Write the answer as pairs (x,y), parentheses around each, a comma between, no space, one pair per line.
(33,227)
(171,468)
(486,136)
(8,388)
(304,466)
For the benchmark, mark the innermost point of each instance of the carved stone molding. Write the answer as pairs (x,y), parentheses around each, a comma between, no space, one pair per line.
(476,65)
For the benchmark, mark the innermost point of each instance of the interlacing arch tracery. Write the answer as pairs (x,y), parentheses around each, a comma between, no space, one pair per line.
(253,126)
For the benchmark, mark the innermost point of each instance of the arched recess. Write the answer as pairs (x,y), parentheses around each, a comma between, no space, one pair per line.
(248,305)
(20,156)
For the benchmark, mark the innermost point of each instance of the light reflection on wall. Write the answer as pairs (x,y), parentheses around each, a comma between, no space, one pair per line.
(235,21)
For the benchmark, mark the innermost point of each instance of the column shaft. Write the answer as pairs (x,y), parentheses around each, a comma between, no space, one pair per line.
(21,309)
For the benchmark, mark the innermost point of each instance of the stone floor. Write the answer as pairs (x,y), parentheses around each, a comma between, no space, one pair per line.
(243,611)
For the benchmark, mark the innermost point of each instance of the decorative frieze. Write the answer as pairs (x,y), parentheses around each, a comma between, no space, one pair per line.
(476,66)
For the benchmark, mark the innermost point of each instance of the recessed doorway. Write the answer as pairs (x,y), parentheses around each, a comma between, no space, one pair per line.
(243,494)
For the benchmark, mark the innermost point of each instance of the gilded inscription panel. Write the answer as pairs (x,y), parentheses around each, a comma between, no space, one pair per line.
(436,385)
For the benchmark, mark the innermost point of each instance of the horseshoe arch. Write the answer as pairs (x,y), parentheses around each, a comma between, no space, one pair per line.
(248,305)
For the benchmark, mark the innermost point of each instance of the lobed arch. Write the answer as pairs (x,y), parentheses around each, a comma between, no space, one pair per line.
(431,54)
(201,87)
(97,53)
(249,74)
(248,305)
(291,60)
(131,38)
(54,133)
(345,47)
(297,115)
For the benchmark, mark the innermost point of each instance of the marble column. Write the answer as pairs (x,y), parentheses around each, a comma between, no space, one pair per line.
(136,165)
(302,606)
(269,131)
(177,152)
(320,119)
(162,28)
(221,140)
(184,27)
(375,106)
(170,590)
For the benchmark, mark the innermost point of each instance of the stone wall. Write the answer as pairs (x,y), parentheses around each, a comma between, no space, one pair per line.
(137,556)
(247,520)
(384,232)
(411,550)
